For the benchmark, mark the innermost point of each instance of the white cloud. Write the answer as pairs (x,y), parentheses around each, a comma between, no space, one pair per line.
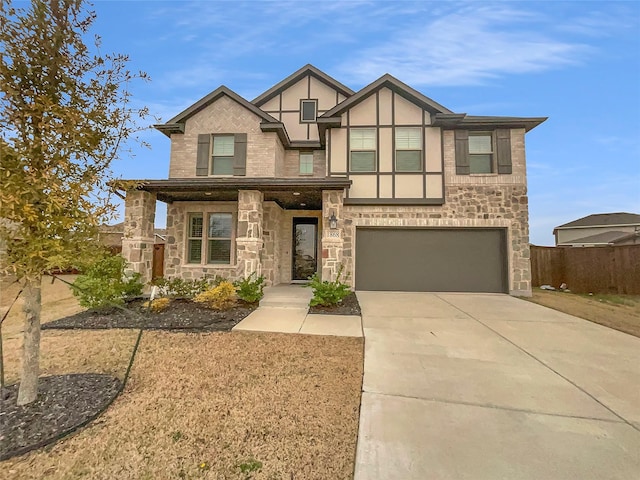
(468,46)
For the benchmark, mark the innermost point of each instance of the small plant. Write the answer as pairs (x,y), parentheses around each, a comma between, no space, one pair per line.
(204,466)
(157,305)
(178,287)
(328,293)
(105,283)
(177,436)
(250,289)
(249,466)
(221,297)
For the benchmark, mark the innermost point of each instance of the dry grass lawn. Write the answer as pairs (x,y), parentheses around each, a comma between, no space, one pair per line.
(213,405)
(621,312)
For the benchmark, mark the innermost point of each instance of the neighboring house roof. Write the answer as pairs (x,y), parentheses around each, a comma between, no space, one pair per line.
(176,124)
(297,76)
(394,84)
(603,220)
(119,228)
(604,238)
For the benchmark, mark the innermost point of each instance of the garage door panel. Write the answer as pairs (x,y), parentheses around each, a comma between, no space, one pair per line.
(430,260)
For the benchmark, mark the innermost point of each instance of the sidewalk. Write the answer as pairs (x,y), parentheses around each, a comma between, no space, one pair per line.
(285,309)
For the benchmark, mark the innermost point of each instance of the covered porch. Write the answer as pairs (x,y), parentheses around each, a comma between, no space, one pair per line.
(234,227)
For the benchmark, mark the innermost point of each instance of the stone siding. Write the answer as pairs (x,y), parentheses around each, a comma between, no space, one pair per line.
(225,116)
(483,206)
(139,235)
(332,240)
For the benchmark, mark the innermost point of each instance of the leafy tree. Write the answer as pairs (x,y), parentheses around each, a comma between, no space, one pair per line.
(64,116)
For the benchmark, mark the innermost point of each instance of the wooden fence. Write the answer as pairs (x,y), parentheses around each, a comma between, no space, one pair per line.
(591,269)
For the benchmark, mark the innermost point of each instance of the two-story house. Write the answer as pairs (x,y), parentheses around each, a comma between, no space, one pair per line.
(402,192)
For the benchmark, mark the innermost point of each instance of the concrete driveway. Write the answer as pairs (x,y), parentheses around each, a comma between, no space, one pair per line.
(482,386)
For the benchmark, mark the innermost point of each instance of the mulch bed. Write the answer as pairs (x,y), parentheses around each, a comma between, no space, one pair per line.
(182,314)
(64,404)
(348,306)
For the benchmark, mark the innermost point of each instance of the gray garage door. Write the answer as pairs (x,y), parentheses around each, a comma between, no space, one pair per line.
(431,260)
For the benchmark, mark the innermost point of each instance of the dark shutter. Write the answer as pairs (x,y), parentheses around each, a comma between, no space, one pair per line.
(462,152)
(202,161)
(503,144)
(240,154)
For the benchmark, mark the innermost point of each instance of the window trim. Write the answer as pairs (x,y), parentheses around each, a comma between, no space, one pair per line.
(211,156)
(300,172)
(209,238)
(395,153)
(492,155)
(189,238)
(314,101)
(364,150)
(205,214)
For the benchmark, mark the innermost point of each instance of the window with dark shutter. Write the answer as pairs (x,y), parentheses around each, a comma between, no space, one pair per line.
(462,152)
(503,144)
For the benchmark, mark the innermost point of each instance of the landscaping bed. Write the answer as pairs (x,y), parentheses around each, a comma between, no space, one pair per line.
(181,314)
(64,403)
(348,306)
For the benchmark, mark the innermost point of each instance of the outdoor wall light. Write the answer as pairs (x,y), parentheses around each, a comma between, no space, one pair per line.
(333,222)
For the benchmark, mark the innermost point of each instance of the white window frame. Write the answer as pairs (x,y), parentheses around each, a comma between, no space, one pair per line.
(362,148)
(409,148)
(477,154)
(190,238)
(306,155)
(213,156)
(205,238)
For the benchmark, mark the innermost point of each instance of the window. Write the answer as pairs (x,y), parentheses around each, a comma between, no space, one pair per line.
(194,238)
(219,248)
(218,238)
(308,110)
(306,163)
(480,153)
(222,156)
(408,150)
(362,143)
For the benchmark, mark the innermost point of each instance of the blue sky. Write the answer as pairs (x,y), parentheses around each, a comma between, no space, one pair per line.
(576,62)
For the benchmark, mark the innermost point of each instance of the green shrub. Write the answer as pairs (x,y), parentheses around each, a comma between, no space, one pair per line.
(250,289)
(221,297)
(328,293)
(105,283)
(178,287)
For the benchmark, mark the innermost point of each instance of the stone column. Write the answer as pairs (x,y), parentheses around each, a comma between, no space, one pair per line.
(139,221)
(249,235)
(332,240)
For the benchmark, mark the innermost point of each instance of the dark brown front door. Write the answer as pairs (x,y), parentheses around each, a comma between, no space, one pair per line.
(305,248)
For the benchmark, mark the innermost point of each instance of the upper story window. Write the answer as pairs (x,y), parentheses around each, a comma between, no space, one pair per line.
(306,163)
(362,146)
(213,243)
(480,152)
(408,149)
(308,110)
(222,155)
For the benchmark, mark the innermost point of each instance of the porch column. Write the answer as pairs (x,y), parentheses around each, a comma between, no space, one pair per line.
(139,221)
(332,240)
(249,235)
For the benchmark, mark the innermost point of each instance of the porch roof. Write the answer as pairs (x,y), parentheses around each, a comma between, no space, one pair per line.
(291,193)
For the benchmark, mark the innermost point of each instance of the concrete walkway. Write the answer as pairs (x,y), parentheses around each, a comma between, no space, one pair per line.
(284,309)
(473,386)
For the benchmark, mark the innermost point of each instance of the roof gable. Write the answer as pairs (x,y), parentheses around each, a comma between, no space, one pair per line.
(393,84)
(603,220)
(296,77)
(176,124)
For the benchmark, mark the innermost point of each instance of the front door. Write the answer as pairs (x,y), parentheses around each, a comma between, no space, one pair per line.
(305,248)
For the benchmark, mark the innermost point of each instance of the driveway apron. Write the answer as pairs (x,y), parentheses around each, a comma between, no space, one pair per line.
(484,386)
